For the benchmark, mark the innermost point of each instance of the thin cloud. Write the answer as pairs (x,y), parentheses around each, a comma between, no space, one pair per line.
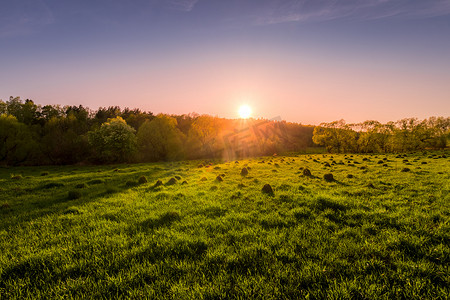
(322,10)
(183,5)
(23,17)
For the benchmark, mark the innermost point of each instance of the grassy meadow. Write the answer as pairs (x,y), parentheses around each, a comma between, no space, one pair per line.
(379,229)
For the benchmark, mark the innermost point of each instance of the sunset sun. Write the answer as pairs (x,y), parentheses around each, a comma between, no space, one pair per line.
(245,111)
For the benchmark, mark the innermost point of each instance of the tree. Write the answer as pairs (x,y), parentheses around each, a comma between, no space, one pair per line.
(26,113)
(63,142)
(204,138)
(3,107)
(160,139)
(16,142)
(113,142)
(103,114)
(135,117)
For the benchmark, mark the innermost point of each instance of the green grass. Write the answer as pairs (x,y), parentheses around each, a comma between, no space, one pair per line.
(102,232)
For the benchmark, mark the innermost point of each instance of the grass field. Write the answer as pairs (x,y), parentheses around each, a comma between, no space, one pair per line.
(380,229)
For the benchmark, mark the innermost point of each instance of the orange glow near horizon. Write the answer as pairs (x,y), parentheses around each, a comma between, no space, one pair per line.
(245,111)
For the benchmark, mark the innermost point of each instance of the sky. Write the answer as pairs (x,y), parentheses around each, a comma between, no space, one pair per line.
(306,61)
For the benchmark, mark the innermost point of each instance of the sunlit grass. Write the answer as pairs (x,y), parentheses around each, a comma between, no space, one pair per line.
(382,233)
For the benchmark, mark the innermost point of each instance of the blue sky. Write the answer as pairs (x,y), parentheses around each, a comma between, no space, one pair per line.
(306,61)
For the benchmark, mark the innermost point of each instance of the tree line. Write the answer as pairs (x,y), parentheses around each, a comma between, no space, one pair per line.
(32,134)
(405,135)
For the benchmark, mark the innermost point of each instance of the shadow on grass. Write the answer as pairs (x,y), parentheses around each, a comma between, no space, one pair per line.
(52,198)
(165,220)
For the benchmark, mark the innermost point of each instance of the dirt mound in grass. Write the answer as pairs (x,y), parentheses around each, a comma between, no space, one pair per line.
(328,177)
(306,172)
(267,189)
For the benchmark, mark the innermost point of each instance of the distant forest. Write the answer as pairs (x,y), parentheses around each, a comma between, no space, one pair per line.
(32,134)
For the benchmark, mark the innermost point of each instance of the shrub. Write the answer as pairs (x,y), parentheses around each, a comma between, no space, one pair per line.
(244,172)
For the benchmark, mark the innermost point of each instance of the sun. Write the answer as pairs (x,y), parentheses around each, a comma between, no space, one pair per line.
(245,111)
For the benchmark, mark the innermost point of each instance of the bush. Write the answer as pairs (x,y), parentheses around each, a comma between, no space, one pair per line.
(244,172)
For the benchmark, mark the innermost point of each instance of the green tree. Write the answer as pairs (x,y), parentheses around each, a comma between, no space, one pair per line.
(62,141)
(160,139)
(17,145)
(204,138)
(3,107)
(114,141)
(26,113)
